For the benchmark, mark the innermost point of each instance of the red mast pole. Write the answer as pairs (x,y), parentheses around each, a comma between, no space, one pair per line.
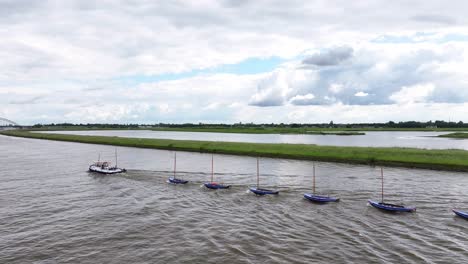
(258,174)
(381,172)
(175,163)
(313,181)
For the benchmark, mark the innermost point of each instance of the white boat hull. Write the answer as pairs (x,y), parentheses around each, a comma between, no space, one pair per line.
(99,169)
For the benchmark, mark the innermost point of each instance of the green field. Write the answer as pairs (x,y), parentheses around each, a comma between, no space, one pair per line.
(299,130)
(310,131)
(246,130)
(456,160)
(456,135)
(260,130)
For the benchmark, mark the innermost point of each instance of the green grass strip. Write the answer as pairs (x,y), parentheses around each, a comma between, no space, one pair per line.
(454,160)
(455,135)
(298,130)
(259,130)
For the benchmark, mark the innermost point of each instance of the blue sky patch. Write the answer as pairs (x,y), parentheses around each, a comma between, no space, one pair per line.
(419,37)
(248,66)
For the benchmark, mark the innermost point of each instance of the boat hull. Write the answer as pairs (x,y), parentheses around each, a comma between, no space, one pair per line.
(461,213)
(98,169)
(215,186)
(176,181)
(259,191)
(320,198)
(391,207)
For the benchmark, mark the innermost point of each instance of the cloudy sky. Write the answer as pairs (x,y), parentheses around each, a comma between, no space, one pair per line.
(233,61)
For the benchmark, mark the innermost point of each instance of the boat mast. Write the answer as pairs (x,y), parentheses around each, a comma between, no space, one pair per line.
(116,157)
(175,163)
(212,167)
(99,157)
(313,179)
(381,172)
(258,175)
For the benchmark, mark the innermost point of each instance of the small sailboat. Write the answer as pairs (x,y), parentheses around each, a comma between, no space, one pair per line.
(461,213)
(388,206)
(313,197)
(173,179)
(212,184)
(104,167)
(260,191)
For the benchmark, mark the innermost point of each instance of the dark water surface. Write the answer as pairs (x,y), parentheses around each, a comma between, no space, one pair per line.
(408,139)
(53,211)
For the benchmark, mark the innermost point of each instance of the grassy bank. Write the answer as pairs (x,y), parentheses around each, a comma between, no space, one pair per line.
(259,130)
(300,130)
(338,133)
(455,135)
(456,160)
(253,130)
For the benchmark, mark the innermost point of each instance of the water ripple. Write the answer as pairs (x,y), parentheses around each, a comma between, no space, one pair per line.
(53,211)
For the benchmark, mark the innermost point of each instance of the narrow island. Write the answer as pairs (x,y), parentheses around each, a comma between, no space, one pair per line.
(457,135)
(453,160)
(265,130)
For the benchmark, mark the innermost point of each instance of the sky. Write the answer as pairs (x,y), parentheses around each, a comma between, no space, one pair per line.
(230,61)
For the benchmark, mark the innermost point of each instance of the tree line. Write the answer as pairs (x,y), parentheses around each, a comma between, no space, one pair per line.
(331,124)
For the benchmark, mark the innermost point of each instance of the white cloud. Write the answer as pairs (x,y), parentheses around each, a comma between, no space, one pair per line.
(340,113)
(329,57)
(110,113)
(276,88)
(307,99)
(413,94)
(296,116)
(164,108)
(99,61)
(376,75)
(335,88)
(361,94)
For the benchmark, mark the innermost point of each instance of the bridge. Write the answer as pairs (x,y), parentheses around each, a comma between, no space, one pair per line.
(8,124)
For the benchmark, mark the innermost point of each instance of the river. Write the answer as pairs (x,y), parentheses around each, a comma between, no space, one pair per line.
(407,139)
(52,210)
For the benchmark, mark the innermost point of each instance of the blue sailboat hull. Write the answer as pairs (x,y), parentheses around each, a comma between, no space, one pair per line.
(176,181)
(391,207)
(215,186)
(461,213)
(319,198)
(259,191)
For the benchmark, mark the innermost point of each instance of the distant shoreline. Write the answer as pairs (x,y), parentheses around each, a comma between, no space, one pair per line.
(221,130)
(450,160)
(339,131)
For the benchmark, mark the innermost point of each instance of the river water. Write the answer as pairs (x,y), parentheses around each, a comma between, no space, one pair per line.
(53,211)
(409,139)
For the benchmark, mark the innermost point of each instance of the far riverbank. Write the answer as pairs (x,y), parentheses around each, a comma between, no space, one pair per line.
(452,160)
